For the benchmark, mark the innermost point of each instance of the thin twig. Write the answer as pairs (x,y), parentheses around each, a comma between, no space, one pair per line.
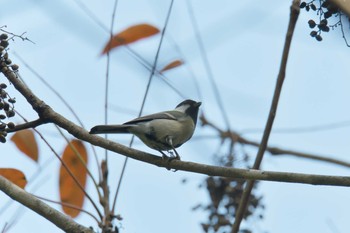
(67,168)
(188,67)
(299,130)
(71,174)
(30,180)
(16,216)
(15,35)
(107,76)
(26,125)
(90,14)
(294,13)
(131,52)
(43,80)
(207,65)
(76,152)
(159,74)
(4,228)
(144,99)
(104,164)
(69,206)
(342,29)
(48,85)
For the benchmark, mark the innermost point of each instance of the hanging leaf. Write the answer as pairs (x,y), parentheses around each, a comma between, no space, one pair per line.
(130,35)
(172,65)
(26,142)
(69,190)
(15,176)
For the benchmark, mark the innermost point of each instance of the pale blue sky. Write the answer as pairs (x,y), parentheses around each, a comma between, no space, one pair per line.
(244,42)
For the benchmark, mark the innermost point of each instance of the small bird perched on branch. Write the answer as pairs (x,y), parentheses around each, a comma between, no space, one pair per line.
(163,131)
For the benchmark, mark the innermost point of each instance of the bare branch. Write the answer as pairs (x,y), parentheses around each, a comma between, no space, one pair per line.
(15,35)
(27,125)
(275,151)
(250,174)
(294,13)
(278,151)
(60,220)
(344,5)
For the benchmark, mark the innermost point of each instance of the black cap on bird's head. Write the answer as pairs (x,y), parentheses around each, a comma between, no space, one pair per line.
(191,108)
(189,102)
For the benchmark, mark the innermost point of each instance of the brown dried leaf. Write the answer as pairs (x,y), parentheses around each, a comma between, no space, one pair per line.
(15,176)
(172,65)
(130,35)
(69,190)
(26,142)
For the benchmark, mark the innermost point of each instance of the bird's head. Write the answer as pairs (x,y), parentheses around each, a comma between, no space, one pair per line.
(189,107)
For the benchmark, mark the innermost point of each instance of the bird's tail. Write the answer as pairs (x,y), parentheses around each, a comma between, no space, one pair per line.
(99,129)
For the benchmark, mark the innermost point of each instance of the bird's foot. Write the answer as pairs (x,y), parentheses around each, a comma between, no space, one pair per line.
(168,159)
(174,157)
(165,157)
(177,156)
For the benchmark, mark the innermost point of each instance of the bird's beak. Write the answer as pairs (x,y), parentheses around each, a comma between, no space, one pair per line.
(198,104)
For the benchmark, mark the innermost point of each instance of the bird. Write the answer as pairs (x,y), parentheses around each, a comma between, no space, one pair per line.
(162,131)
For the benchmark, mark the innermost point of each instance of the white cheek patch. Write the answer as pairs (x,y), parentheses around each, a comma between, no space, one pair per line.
(182,108)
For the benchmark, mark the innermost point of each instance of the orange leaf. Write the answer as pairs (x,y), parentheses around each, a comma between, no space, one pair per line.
(69,190)
(129,35)
(172,65)
(25,142)
(15,176)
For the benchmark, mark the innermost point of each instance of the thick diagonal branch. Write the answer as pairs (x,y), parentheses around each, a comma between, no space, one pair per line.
(61,220)
(294,13)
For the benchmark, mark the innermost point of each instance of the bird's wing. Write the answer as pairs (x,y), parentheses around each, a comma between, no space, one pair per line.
(168,115)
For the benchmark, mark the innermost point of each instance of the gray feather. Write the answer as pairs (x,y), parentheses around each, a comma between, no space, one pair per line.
(100,129)
(168,115)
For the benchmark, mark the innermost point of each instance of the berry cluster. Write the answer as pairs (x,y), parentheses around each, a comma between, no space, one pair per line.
(6,102)
(324,9)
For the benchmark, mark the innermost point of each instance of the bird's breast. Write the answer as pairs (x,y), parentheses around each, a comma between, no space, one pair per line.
(155,133)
